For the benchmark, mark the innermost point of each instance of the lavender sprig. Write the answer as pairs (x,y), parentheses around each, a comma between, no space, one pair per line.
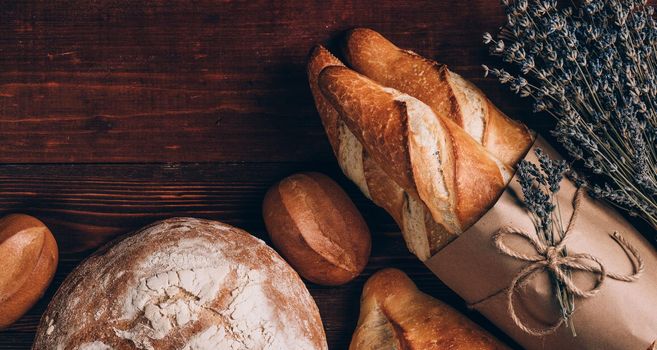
(539,189)
(592,66)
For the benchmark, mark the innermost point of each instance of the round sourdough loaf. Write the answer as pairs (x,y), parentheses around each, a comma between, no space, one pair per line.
(182,284)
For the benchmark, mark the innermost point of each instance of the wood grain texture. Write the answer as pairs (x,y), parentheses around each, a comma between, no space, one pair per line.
(117,113)
(88,204)
(177,81)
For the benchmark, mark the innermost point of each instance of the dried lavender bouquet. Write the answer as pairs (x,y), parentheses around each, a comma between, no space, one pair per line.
(539,189)
(593,66)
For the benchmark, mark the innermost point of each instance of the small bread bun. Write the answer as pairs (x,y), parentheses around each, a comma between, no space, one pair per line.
(28,256)
(317,228)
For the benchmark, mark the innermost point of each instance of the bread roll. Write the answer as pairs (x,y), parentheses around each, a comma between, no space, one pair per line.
(408,211)
(317,228)
(28,256)
(430,157)
(182,284)
(446,92)
(394,314)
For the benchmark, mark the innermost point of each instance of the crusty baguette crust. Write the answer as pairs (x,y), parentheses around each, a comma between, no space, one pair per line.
(376,153)
(478,178)
(429,156)
(396,315)
(374,56)
(376,184)
(369,53)
(384,191)
(420,231)
(347,149)
(376,119)
(319,59)
(508,140)
(436,172)
(317,228)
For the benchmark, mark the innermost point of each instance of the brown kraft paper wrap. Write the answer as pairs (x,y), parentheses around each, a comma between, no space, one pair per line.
(622,315)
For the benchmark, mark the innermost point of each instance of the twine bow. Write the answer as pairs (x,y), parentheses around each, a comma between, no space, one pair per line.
(554,258)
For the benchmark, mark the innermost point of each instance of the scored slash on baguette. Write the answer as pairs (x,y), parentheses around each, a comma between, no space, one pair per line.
(446,92)
(429,156)
(374,117)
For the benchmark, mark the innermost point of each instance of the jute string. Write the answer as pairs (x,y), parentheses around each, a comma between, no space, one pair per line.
(554,258)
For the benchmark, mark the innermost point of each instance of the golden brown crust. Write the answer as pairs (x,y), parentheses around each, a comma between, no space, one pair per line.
(478,181)
(431,200)
(319,59)
(369,53)
(29,255)
(367,173)
(391,303)
(509,139)
(317,228)
(374,56)
(378,185)
(376,119)
(383,190)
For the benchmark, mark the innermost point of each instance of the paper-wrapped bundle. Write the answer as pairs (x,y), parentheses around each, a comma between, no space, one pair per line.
(503,272)
(432,150)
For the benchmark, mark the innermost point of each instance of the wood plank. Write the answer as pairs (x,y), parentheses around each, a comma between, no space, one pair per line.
(133,81)
(85,205)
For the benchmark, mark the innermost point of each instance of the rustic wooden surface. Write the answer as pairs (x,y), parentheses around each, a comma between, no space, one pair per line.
(114,113)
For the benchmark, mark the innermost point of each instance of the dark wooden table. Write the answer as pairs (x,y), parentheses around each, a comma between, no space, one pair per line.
(114,114)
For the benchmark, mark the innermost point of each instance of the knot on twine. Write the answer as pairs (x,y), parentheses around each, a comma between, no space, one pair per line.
(552,257)
(555,259)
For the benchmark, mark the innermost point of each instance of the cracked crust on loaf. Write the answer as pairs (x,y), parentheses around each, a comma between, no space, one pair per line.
(182,283)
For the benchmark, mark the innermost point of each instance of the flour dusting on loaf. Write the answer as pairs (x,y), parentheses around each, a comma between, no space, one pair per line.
(183,284)
(97,345)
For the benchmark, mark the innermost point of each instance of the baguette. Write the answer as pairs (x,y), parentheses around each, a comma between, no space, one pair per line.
(410,214)
(394,314)
(446,92)
(430,157)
